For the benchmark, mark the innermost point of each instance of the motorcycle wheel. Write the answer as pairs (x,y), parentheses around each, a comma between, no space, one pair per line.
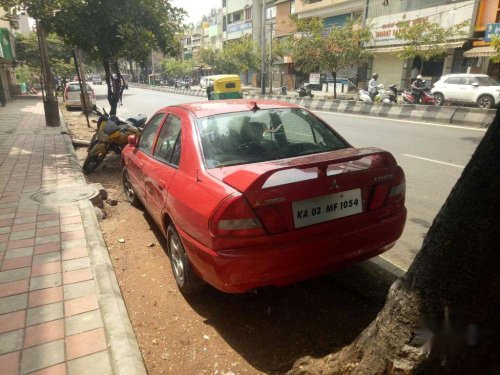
(92,143)
(92,162)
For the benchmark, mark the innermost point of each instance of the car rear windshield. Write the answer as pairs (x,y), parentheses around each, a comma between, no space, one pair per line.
(250,137)
(76,87)
(487,81)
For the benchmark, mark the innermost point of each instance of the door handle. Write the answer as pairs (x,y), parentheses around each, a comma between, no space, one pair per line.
(161,184)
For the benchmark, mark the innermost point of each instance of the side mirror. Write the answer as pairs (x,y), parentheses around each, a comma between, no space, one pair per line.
(132,140)
(475,84)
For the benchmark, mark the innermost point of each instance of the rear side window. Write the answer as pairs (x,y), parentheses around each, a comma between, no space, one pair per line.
(230,85)
(148,134)
(455,81)
(167,139)
(250,137)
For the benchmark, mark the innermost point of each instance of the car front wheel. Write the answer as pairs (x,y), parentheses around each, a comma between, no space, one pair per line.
(439,98)
(186,279)
(485,102)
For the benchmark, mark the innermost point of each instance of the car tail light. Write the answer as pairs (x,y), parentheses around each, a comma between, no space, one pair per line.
(379,196)
(389,192)
(234,218)
(398,188)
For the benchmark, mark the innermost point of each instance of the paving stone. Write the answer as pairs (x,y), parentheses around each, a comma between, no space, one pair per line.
(73,253)
(9,363)
(42,356)
(83,322)
(14,275)
(45,313)
(13,303)
(70,227)
(47,248)
(12,321)
(14,263)
(11,341)
(79,289)
(59,369)
(21,235)
(25,220)
(47,224)
(10,215)
(6,230)
(75,264)
(20,243)
(45,269)
(97,363)
(76,276)
(16,253)
(45,296)
(21,227)
(47,231)
(47,258)
(74,243)
(14,287)
(44,332)
(47,239)
(46,281)
(85,343)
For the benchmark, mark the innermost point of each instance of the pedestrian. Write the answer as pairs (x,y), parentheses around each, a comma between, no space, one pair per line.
(210,90)
(373,86)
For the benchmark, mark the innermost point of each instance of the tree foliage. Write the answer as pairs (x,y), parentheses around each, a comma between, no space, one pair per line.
(316,48)
(495,42)
(238,56)
(173,67)
(425,39)
(59,54)
(109,30)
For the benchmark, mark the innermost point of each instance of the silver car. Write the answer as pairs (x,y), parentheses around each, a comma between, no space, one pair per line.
(72,94)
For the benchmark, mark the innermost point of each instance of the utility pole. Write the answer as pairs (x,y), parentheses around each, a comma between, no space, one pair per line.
(263,47)
(271,56)
(50,103)
(152,68)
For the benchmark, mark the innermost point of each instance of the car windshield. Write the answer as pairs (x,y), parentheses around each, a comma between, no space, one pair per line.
(487,81)
(250,137)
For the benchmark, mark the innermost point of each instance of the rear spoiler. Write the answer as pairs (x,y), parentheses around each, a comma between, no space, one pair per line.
(249,179)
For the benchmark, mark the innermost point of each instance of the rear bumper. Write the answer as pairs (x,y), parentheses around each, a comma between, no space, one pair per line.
(243,269)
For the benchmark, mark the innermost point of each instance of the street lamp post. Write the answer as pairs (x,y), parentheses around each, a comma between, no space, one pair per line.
(263,46)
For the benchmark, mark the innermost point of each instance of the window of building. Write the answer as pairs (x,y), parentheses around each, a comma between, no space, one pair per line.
(248,14)
(223,3)
(292,7)
(188,41)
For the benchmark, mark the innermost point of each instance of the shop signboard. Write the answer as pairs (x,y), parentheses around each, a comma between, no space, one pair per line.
(385,27)
(5,46)
(314,78)
(239,27)
(492,30)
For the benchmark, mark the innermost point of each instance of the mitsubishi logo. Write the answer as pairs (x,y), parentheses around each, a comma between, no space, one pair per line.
(334,185)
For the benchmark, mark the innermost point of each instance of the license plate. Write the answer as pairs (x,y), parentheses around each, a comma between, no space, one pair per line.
(327,207)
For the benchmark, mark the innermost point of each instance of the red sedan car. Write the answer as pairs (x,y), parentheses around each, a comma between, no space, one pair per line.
(257,193)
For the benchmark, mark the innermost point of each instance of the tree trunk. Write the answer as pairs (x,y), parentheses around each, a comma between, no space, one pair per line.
(449,299)
(115,86)
(334,75)
(421,65)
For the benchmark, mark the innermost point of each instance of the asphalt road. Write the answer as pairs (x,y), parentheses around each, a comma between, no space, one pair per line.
(432,156)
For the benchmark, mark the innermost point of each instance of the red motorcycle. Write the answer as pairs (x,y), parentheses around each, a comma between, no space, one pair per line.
(425,98)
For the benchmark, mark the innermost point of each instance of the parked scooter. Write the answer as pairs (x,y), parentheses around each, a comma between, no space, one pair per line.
(425,98)
(111,135)
(305,90)
(364,96)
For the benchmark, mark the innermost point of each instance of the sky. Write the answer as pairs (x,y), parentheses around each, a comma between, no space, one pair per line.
(196,8)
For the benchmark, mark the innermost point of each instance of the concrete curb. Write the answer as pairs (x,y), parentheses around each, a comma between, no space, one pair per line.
(463,116)
(125,354)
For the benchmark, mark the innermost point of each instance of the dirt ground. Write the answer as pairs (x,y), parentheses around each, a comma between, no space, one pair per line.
(218,333)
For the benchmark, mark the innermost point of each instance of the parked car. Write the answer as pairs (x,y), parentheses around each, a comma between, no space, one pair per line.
(72,94)
(258,193)
(96,80)
(479,89)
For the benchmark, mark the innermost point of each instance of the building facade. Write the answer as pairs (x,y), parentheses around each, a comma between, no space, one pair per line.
(8,86)
(384,16)
(486,26)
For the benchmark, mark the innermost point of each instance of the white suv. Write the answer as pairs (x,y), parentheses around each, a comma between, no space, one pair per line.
(467,88)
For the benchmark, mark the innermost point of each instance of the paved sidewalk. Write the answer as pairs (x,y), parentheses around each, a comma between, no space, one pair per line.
(61,311)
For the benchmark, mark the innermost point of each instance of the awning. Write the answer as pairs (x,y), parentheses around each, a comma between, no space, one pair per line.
(400,48)
(485,51)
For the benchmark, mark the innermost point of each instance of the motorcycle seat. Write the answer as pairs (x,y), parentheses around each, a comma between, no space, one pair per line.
(137,121)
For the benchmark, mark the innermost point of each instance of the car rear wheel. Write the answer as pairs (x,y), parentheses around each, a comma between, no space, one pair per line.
(439,98)
(485,102)
(186,279)
(132,197)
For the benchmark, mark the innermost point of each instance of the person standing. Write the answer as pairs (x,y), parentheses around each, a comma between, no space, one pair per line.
(210,90)
(373,86)
(417,87)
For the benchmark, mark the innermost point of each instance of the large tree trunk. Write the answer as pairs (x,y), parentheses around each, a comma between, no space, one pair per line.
(449,299)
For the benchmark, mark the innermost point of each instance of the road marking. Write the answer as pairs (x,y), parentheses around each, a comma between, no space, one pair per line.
(434,161)
(407,121)
(399,267)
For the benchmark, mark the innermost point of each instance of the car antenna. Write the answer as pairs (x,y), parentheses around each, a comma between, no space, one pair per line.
(255,107)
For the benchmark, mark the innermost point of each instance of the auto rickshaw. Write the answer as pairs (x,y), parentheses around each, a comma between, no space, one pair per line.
(225,86)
